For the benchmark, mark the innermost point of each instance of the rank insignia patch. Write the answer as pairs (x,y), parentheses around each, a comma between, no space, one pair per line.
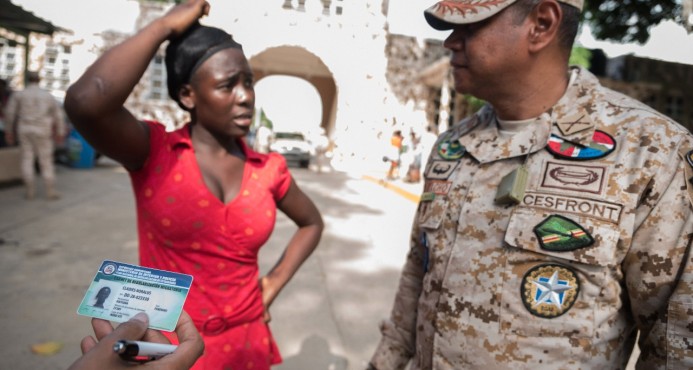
(561,234)
(602,145)
(451,149)
(549,290)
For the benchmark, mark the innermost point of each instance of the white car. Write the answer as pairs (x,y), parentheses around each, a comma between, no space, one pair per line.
(293,146)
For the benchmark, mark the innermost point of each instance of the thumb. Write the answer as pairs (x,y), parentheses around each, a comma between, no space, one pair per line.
(132,329)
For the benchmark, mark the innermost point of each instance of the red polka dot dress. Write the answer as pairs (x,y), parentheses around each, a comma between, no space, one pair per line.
(183,227)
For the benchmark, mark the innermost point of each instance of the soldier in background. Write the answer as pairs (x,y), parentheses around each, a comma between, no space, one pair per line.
(35,117)
(555,223)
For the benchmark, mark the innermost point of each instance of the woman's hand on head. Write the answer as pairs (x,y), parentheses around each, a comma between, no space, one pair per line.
(183,15)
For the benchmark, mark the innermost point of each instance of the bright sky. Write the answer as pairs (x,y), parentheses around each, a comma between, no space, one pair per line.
(86,17)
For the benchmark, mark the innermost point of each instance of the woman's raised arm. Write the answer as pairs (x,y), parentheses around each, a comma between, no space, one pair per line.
(95,102)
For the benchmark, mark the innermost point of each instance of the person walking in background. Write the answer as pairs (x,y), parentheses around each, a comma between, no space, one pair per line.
(34,118)
(393,154)
(206,202)
(555,223)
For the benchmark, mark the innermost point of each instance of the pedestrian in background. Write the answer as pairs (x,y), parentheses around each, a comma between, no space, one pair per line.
(206,202)
(34,118)
(555,223)
(393,154)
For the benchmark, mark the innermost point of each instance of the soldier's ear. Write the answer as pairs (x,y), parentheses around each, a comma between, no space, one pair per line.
(187,96)
(545,20)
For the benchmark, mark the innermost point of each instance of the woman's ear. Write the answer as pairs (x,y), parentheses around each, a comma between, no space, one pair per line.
(187,97)
(545,22)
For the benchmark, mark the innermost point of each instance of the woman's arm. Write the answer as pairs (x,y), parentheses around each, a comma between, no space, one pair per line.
(299,208)
(95,102)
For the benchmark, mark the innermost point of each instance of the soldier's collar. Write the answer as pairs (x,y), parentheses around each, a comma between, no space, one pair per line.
(571,116)
(486,144)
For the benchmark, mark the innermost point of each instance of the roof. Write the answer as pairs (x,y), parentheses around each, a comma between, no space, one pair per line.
(18,20)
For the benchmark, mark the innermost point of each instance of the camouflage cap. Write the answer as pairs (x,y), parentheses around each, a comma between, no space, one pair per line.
(447,13)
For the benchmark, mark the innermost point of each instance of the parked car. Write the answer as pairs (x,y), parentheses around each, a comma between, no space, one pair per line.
(293,146)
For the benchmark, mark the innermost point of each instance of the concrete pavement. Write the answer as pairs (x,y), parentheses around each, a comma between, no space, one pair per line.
(326,318)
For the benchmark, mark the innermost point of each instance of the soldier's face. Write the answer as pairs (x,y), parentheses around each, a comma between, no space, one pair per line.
(486,55)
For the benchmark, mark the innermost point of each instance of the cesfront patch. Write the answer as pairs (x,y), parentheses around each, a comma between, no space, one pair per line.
(549,290)
(561,234)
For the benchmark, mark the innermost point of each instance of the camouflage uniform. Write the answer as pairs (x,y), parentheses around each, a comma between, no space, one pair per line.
(595,250)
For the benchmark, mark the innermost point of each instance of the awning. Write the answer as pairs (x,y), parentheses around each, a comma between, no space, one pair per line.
(14,18)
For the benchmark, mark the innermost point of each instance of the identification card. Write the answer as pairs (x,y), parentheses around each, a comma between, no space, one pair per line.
(119,291)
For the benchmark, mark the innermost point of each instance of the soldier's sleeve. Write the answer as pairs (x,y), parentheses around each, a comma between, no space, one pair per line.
(658,268)
(396,346)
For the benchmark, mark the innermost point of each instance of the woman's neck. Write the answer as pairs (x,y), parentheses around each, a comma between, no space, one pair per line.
(216,144)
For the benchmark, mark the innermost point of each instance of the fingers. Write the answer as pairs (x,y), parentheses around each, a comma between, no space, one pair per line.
(155,336)
(87,344)
(134,328)
(190,348)
(101,328)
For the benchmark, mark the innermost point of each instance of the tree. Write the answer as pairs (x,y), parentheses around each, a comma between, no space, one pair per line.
(631,20)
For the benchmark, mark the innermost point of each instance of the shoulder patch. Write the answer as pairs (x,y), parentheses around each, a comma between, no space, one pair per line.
(687,155)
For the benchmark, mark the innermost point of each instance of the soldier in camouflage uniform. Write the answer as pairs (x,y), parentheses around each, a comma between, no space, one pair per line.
(555,223)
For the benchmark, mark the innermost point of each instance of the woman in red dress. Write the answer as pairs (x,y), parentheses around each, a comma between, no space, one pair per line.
(206,202)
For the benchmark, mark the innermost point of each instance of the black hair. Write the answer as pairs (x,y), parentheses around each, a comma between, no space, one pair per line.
(186,53)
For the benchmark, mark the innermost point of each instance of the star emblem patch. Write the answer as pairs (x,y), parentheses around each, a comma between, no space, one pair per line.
(561,234)
(549,290)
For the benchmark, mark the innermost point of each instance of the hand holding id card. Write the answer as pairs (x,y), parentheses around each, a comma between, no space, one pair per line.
(119,291)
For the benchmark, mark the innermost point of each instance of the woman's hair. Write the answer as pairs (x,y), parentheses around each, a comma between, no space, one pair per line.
(185,54)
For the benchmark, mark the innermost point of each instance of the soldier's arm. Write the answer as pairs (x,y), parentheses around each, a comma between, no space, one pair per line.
(659,267)
(396,346)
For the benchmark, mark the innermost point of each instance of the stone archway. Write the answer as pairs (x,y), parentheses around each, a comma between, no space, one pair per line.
(299,62)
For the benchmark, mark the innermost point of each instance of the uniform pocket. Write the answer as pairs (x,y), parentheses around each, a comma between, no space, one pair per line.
(556,267)
(431,213)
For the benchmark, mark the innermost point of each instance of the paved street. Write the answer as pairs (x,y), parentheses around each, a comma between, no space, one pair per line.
(325,319)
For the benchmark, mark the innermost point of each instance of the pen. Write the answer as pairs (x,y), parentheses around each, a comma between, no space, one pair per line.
(133,350)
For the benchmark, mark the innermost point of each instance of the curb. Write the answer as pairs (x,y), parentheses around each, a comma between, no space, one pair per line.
(388,185)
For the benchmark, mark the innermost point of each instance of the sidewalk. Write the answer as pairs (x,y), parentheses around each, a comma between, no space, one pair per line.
(328,315)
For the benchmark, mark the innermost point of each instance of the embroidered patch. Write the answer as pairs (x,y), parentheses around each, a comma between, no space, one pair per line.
(440,170)
(593,208)
(602,145)
(580,178)
(561,234)
(428,197)
(579,122)
(438,187)
(451,149)
(688,171)
(549,290)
